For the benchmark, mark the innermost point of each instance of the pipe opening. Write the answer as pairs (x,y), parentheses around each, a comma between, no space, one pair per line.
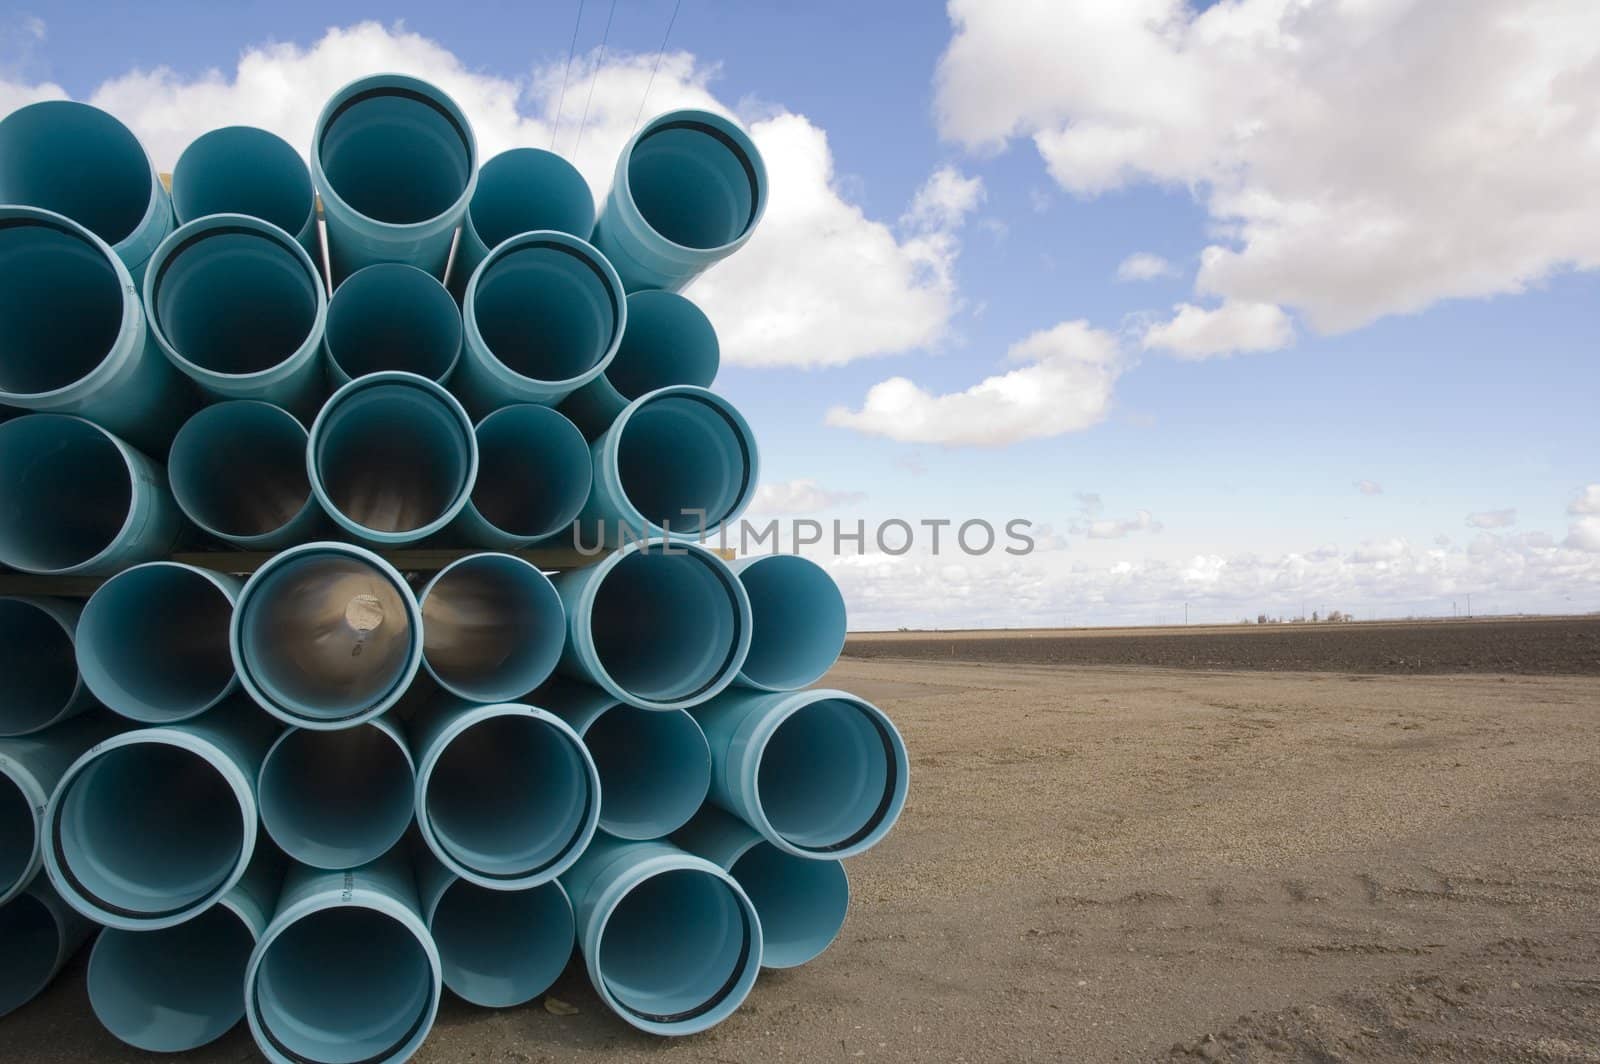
(525,190)
(493,628)
(684,456)
(668,341)
(501,948)
(534,471)
(509,796)
(40,667)
(234,300)
(344,985)
(33,942)
(798,622)
(19,835)
(243,170)
(675,946)
(381,132)
(391,316)
(154,643)
(828,776)
(70,492)
(693,184)
(238,469)
(326,636)
(665,626)
(337,799)
(78,161)
(149,829)
(655,770)
(393,457)
(174,989)
(801,902)
(545,310)
(61,305)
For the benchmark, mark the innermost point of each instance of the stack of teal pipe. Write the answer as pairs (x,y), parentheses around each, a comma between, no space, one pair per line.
(315,791)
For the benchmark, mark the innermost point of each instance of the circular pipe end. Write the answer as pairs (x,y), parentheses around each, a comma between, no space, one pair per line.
(238,472)
(337,799)
(502,948)
(655,769)
(493,627)
(39,661)
(76,491)
(244,170)
(798,622)
(392,316)
(34,941)
(534,473)
(802,902)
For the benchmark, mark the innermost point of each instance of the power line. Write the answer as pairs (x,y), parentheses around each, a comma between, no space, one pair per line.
(598,64)
(659,53)
(571,51)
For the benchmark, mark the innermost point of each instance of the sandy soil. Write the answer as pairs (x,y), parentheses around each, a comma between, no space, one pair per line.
(1131,864)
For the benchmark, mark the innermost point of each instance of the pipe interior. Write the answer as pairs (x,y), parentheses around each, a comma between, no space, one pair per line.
(155,643)
(801,902)
(534,471)
(664,626)
(32,940)
(69,492)
(681,457)
(337,799)
(393,457)
(239,469)
(235,300)
(382,132)
(798,622)
(655,769)
(78,161)
(545,310)
(493,628)
(675,944)
(508,796)
(19,837)
(825,774)
(525,190)
(343,985)
(326,636)
(668,341)
(502,947)
(692,185)
(40,668)
(150,829)
(60,306)
(241,170)
(174,989)
(393,317)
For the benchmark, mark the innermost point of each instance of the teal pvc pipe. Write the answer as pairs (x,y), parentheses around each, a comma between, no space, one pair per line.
(245,170)
(689,190)
(346,970)
(658,626)
(493,627)
(668,341)
(519,191)
(390,316)
(802,901)
(497,948)
(238,472)
(819,773)
(182,987)
(544,314)
(79,161)
(671,942)
(79,501)
(534,475)
(30,768)
(507,796)
(73,333)
(396,163)
(654,765)
(326,635)
(797,621)
(38,658)
(392,458)
(678,461)
(238,306)
(41,934)
(152,827)
(153,642)
(338,799)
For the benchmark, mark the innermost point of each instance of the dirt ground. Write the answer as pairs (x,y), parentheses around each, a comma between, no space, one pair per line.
(1112,863)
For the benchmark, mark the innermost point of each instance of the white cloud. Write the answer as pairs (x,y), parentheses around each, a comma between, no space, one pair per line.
(944,200)
(1143,266)
(1103,528)
(802,496)
(1492,519)
(1357,159)
(1369,487)
(1584,534)
(1197,332)
(1587,501)
(1064,386)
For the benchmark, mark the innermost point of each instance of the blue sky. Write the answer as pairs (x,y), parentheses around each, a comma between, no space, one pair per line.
(1445,356)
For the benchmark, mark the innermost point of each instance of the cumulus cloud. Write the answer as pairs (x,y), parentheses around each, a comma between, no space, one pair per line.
(944,200)
(1143,266)
(1492,519)
(1584,534)
(1064,385)
(1197,332)
(1284,116)
(1369,487)
(1587,501)
(802,496)
(1103,528)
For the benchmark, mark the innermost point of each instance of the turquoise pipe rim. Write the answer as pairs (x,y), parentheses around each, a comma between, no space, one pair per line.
(539,652)
(499,990)
(192,449)
(636,764)
(777,660)
(394,274)
(567,453)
